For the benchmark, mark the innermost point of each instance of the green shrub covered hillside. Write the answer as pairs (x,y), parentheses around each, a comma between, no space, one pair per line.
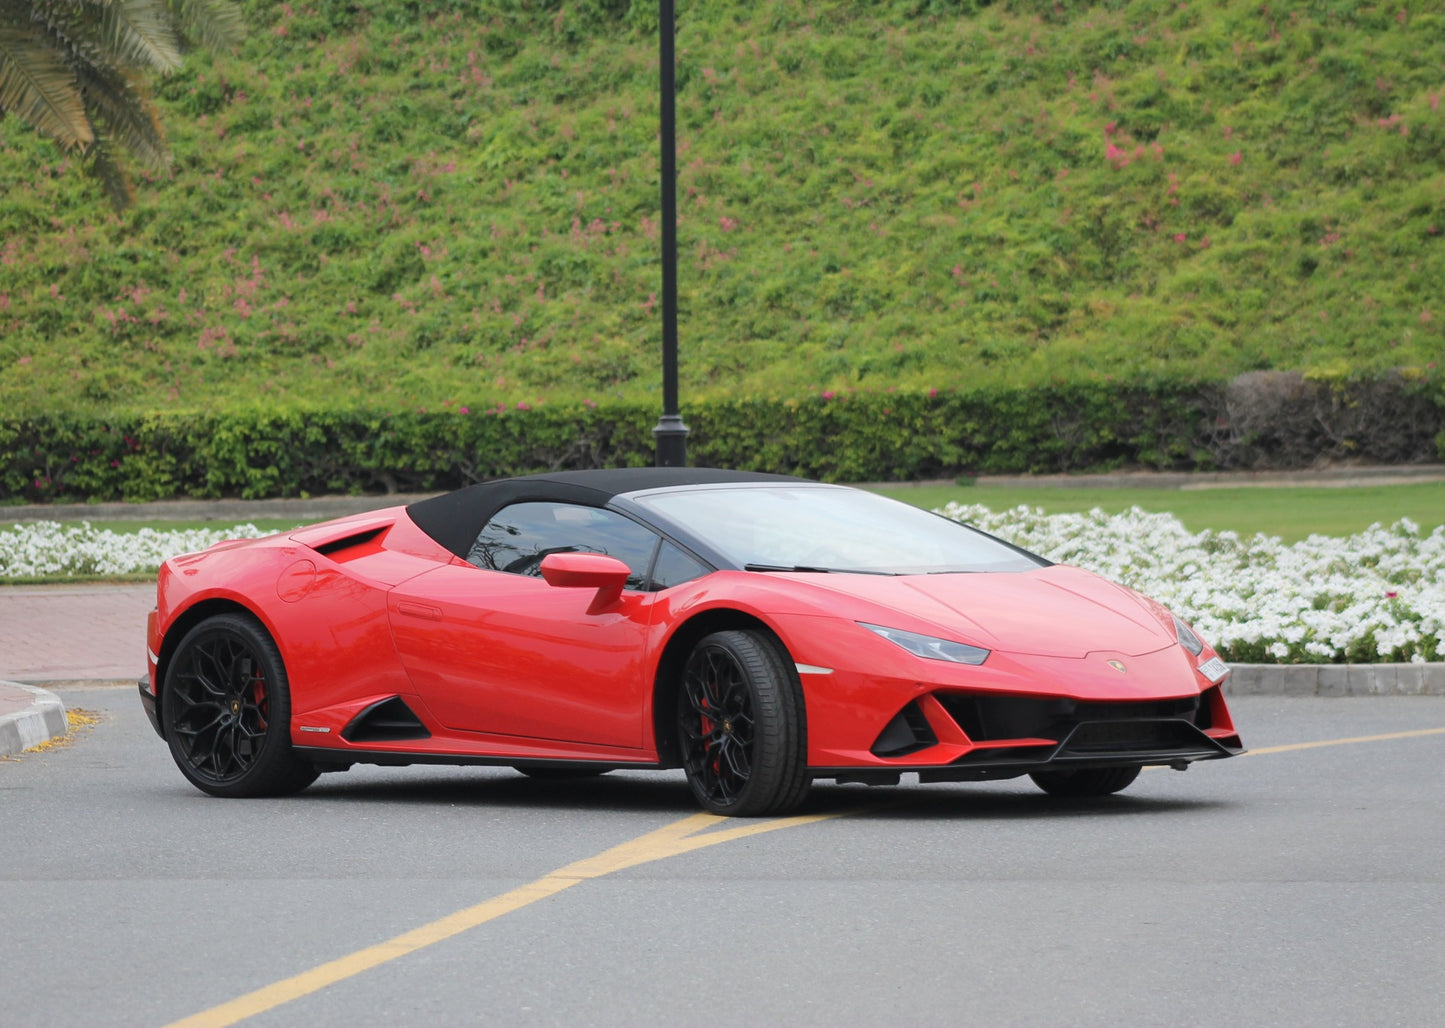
(391,204)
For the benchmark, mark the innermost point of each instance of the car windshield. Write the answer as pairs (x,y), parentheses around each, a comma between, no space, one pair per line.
(829,528)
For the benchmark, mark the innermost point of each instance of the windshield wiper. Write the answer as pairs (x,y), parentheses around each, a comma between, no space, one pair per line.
(785,567)
(815,570)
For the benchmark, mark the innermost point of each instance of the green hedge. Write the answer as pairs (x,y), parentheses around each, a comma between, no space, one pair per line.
(1267,419)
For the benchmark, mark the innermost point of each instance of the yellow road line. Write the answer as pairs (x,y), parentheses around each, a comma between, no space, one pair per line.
(1345,742)
(695,832)
(685,836)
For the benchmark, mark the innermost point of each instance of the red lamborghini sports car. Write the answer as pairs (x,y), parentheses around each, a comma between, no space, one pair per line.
(758,631)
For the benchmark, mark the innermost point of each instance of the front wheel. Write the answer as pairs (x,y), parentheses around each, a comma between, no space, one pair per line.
(1088,781)
(741,721)
(226,709)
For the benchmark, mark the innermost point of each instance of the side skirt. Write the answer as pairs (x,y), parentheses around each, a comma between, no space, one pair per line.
(329,759)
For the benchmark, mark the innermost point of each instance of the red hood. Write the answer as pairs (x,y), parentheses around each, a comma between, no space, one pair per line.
(1056,611)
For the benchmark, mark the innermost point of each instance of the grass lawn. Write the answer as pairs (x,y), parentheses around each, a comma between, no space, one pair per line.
(1289,512)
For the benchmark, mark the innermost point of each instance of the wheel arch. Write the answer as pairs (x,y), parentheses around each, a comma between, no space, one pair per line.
(184,622)
(669,671)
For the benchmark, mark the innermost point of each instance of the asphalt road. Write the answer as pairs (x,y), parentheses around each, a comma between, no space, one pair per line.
(1299,885)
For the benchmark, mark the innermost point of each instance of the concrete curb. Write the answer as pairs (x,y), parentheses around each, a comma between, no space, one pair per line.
(1336,680)
(28,717)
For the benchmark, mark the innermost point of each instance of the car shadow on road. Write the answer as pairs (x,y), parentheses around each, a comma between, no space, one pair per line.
(499,787)
(988,803)
(664,792)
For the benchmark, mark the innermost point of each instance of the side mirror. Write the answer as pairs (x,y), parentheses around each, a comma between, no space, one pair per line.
(597,571)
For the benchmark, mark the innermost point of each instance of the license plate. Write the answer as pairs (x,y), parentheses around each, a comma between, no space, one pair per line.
(1214,669)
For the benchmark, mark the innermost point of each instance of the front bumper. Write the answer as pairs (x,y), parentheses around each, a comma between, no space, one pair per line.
(961,737)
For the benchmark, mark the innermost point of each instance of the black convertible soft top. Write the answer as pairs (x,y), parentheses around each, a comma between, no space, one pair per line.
(454,519)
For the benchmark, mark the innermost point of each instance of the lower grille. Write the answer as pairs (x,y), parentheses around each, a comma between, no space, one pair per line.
(1106,736)
(991,718)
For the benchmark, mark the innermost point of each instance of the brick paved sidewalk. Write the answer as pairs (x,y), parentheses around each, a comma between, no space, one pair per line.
(66,633)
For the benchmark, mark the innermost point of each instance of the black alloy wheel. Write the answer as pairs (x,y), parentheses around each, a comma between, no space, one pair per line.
(741,722)
(1087,781)
(227,712)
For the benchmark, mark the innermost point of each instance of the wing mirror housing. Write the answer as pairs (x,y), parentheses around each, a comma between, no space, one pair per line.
(607,575)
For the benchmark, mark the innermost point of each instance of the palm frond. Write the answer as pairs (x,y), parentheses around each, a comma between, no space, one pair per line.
(124,114)
(73,69)
(73,30)
(214,24)
(102,166)
(141,32)
(37,86)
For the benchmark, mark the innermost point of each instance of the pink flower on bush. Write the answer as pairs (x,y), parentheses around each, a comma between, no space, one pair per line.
(1236,157)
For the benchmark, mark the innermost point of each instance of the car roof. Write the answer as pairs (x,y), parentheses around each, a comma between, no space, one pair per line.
(454,519)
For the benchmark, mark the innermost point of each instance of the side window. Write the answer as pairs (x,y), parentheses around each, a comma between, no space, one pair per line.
(519,536)
(675,567)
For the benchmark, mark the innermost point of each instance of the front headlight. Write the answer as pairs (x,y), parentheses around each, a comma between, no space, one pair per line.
(928,647)
(1187,638)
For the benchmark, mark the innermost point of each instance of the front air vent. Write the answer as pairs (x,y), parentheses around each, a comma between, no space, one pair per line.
(388,720)
(907,733)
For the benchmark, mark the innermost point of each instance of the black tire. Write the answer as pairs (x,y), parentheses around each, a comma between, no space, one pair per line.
(742,725)
(558,774)
(1086,781)
(226,709)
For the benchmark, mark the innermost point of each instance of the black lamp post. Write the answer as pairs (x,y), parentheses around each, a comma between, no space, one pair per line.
(670,432)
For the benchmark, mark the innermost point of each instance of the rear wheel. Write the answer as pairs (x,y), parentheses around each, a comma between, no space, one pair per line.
(1088,781)
(226,708)
(741,722)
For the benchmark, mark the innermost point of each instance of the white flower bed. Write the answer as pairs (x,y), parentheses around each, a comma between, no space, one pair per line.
(41,548)
(1378,596)
(1375,596)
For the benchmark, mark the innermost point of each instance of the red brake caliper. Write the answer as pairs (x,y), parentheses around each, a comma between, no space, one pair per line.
(706,731)
(258,693)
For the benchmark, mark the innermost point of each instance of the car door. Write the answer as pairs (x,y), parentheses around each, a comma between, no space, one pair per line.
(493,648)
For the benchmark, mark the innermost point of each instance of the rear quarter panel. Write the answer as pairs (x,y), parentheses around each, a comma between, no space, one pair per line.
(328,619)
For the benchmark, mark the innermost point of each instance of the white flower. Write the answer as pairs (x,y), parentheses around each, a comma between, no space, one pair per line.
(1323,598)
(47,548)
